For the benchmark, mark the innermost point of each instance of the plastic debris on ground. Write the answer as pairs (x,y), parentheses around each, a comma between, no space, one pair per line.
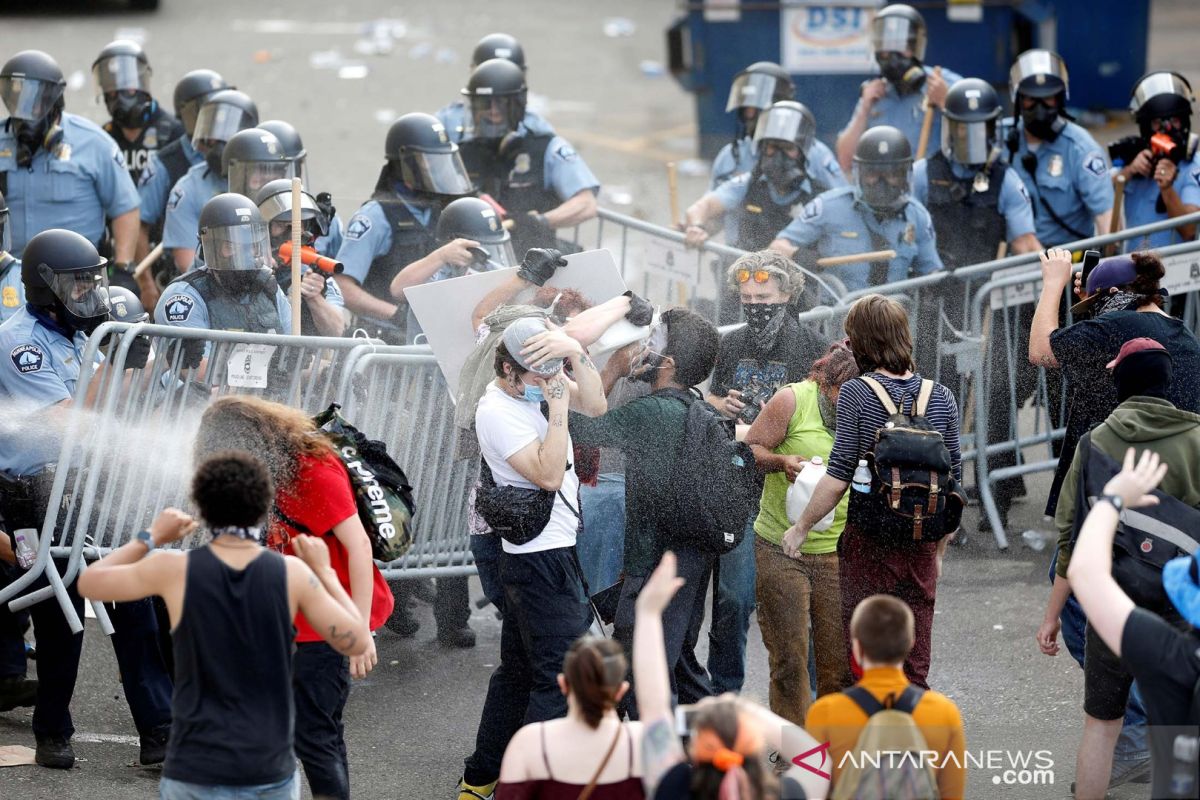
(618,27)
(385,116)
(420,50)
(325,59)
(262,56)
(446,55)
(693,167)
(1034,540)
(135,35)
(353,72)
(997,627)
(617,195)
(76,80)
(385,28)
(652,69)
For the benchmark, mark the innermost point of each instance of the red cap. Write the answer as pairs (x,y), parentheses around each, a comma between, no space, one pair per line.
(1140,345)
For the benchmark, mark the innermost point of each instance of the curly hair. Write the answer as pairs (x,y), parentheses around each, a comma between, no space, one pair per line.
(232,488)
(835,367)
(1150,272)
(786,271)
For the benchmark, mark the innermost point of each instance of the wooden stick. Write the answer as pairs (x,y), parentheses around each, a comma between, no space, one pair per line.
(1118,207)
(673,193)
(874,255)
(926,123)
(295,257)
(148,261)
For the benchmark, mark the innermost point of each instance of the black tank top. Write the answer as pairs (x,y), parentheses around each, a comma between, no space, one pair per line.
(232,707)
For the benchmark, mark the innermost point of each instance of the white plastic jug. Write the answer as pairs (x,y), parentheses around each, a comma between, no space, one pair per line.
(801,491)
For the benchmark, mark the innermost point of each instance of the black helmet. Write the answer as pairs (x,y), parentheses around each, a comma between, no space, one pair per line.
(899,28)
(233,236)
(1039,73)
(497,94)
(125,306)
(498,45)
(472,218)
(969,129)
(274,202)
(31,85)
(190,93)
(1162,95)
(424,158)
(122,76)
(760,85)
(222,115)
(289,138)
(62,271)
(5,234)
(253,158)
(787,121)
(882,162)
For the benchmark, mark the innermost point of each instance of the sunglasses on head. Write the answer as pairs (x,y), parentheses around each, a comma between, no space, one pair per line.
(759,275)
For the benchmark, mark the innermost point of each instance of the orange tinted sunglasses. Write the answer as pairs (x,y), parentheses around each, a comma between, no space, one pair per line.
(759,275)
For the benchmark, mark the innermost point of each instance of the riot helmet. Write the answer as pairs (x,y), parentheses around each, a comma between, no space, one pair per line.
(498,45)
(192,91)
(62,272)
(753,90)
(1040,88)
(1161,102)
(125,306)
(293,145)
(275,204)
(898,36)
(496,92)
(251,159)
(234,242)
(472,218)
(31,86)
(882,163)
(5,233)
(783,136)
(969,125)
(423,158)
(222,115)
(122,76)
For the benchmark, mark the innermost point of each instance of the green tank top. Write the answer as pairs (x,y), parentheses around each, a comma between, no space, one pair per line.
(806,436)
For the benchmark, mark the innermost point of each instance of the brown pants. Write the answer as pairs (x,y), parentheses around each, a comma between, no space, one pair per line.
(790,592)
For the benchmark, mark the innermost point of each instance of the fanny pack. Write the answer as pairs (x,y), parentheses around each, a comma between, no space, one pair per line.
(517,514)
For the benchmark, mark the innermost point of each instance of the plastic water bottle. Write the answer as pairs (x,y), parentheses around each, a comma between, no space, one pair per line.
(1183,771)
(26,546)
(800,493)
(861,482)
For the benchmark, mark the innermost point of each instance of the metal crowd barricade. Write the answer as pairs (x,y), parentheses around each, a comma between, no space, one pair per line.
(126,448)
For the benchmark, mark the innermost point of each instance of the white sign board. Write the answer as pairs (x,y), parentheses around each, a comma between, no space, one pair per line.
(444,307)
(818,37)
(672,261)
(248,365)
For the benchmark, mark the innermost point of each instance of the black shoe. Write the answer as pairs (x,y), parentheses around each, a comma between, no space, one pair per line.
(17,692)
(55,752)
(154,747)
(402,623)
(462,637)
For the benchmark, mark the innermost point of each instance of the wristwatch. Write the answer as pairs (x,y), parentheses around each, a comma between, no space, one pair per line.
(1115,500)
(145,538)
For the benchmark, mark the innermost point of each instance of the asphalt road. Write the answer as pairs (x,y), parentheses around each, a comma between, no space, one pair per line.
(413,720)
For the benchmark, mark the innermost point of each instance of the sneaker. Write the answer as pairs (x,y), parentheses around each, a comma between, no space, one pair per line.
(468,792)
(17,692)
(461,638)
(154,746)
(1129,772)
(55,752)
(403,623)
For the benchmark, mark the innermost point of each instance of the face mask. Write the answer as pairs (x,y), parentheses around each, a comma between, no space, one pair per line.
(759,315)
(644,368)
(1044,123)
(902,72)
(534,394)
(213,159)
(129,112)
(783,173)
(30,136)
(883,196)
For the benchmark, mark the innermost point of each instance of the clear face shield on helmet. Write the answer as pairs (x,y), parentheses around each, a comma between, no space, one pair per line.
(83,293)
(496,116)
(500,255)
(1038,73)
(27,98)
(752,90)
(1160,83)
(120,73)
(237,248)
(968,143)
(787,125)
(883,187)
(896,34)
(435,173)
(247,177)
(218,122)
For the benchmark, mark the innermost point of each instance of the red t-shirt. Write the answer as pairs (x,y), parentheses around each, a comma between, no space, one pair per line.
(319,498)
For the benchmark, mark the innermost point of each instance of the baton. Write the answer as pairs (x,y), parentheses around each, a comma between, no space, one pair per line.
(1118,206)
(295,257)
(874,255)
(148,261)
(926,123)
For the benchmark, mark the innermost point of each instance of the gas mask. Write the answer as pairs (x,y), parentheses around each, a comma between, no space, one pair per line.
(785,174)
(903,72)
(1043,121)
(129,109)
(884,187)
(212,157)
(1172,129)
(32,136)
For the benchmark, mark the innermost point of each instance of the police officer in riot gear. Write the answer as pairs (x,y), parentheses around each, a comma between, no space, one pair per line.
(538,179)
(1161,164)
(65,282)
(138,124)
(293,146)
(1060,163)
(907,87)
(322,309)
(61,170)
(253,158)
(455,116)
(876,213)
(221,116)
(752,92)
(397,225)
(12,291)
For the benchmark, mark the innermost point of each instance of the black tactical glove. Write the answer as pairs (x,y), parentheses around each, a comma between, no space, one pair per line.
(139,353)
(536,225)
(641,313)
(193,353)
(539,265)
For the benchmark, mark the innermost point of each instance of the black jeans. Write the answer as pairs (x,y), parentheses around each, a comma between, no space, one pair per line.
(545,610)
(145,675)
(681,621)
(320,688)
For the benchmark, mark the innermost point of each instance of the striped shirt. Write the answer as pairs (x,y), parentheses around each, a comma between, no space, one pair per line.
(860,415)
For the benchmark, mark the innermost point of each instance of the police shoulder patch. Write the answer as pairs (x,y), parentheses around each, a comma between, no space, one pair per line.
(27,358)
(359,226)
(179,308)
(1094,163)
(1196,176)
(566,152)
(833,167)
(811,211)
(175,198)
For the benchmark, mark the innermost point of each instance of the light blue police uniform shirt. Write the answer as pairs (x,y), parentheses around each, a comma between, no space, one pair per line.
(198,185)
(12,290)
(154,185)
(1013,204)
(1141,199)
(183,307)
(732,160)
(76,185)
(369,236)
(454,118)
(907,113)
(330,243)
(1072,177)
(839,224)
(39,367)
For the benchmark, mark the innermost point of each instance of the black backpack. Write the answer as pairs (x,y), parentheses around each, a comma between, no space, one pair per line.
(914,496)
(713,484)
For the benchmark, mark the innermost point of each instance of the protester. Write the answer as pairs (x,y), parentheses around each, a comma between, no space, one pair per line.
(881,635)
(799,594)
(730,736)
(869,564)
(558,758)
(313,497)
(1164,660)
(232,708)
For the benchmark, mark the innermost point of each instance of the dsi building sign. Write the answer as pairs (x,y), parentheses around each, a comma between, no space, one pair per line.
(823,37)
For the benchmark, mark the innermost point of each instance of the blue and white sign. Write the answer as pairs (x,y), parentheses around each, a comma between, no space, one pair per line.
(821,37)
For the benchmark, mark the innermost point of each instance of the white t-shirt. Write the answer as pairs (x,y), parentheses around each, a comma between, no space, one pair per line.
(505,425)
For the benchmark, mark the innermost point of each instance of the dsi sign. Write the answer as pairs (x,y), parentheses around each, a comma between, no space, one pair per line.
(821,37)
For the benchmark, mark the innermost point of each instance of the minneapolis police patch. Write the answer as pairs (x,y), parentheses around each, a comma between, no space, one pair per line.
(359,227)
(179,308)
(27,358)
(1095,164)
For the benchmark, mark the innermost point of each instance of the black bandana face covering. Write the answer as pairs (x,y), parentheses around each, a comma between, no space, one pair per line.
(253,534)
(759,315)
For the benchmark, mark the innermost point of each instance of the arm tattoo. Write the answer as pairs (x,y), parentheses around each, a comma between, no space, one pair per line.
(341,640)
(557,389)
(661,750)
(558,421)
(587,362)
